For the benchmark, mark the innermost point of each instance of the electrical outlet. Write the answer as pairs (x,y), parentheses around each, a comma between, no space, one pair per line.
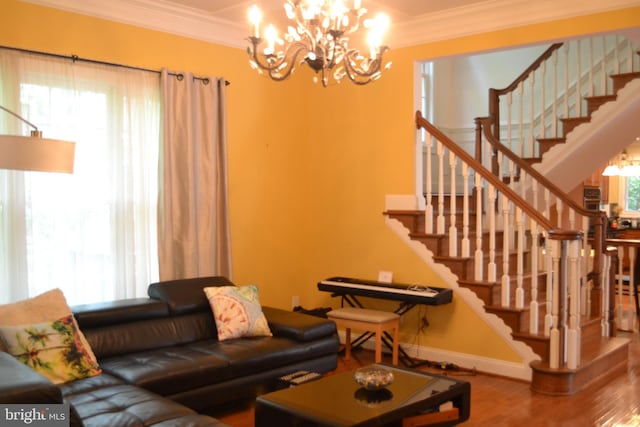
(385,276)
(424,323)
(295,301)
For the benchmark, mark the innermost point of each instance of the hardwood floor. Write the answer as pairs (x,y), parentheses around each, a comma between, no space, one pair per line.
(499,401)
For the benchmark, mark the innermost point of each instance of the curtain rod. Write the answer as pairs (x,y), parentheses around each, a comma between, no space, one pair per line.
(75,58)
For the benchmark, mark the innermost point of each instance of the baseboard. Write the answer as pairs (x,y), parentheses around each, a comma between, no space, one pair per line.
(487,365)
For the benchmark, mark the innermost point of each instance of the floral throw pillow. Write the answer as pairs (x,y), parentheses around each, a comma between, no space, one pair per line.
(237,311)
(53,349)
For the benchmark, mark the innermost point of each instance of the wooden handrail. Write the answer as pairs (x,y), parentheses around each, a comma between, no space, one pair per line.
(484,172)
(494,94)
(534,66)
(498,146)
(597,218)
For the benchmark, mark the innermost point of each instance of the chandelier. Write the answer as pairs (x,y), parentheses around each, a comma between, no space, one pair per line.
(319,37)
(623,166)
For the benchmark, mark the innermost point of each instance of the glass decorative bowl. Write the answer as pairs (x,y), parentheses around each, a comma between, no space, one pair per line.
(373,377)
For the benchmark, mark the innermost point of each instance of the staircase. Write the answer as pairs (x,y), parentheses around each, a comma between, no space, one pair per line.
(593,103)
(520,244)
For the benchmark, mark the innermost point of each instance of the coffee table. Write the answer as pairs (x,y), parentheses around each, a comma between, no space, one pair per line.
(338,401)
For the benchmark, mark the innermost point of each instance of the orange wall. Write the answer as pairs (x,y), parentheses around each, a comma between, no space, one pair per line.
(309,167)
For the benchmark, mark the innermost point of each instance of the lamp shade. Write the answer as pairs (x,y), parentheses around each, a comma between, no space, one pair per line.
(36,154)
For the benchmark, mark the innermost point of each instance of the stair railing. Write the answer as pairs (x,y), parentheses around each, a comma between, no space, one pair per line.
(554,86)
(562,211)
(528,236)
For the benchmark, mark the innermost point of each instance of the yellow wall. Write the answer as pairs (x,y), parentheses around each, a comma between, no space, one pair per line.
(309,167)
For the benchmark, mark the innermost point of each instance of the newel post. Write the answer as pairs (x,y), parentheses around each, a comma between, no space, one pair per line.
(565,309)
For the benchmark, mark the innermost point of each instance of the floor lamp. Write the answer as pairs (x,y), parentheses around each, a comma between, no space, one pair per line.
(35,153)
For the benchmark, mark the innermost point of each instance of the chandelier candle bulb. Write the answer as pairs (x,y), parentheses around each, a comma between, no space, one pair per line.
(255,16)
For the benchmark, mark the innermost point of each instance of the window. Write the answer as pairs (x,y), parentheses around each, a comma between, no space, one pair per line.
(91,233)
(632,194)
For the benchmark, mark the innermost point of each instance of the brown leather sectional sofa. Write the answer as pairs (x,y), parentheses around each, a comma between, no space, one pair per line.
(162,364)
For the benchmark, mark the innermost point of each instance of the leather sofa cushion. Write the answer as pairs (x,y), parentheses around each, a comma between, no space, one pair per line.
(120,311)
(134,337)
(170,370)
(297,326)
(178,369)
(186,295)
(129,406)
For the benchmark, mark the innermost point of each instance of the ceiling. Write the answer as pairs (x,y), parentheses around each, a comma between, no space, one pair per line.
(413,21)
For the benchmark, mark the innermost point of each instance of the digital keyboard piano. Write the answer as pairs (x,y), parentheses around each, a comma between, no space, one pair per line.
(408,296)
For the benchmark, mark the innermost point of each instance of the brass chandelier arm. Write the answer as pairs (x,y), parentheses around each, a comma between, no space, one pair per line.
(362,77)
(273,68)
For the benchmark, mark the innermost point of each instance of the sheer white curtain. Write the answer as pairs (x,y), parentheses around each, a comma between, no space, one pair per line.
(92,233)
(194,238)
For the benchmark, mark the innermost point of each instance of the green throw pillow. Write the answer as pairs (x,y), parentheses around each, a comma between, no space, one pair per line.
(237,311)
(53,349)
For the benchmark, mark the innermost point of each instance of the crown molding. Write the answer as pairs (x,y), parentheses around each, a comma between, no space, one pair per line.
(157,15)
(493,15)
(476,18)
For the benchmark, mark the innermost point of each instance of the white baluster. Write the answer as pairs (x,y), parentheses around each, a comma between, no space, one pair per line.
(566,80)
(555,349)
(554,104)
(440,220)
(428,212)
(491,267)
(592,66)
(453,229)
(534,324)
(616,54)
(559,210)
(585,308)
(509,121)
(520,260)
(573,332)
(543,106)
(506,237)
(548,260)
(603,68)
(523,150)
(466,245)
(532,79)
(479,254)
(579,79)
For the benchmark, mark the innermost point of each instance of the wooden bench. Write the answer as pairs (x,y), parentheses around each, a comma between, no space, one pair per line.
(362,319)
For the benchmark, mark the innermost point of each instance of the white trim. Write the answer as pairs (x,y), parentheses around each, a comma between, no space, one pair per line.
(477,18)
(463,360)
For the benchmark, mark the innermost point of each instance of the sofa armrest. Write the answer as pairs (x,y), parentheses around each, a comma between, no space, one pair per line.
(297,326)
(21,384)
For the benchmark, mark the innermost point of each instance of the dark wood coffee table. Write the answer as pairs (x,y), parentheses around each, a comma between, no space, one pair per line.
(338,401)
